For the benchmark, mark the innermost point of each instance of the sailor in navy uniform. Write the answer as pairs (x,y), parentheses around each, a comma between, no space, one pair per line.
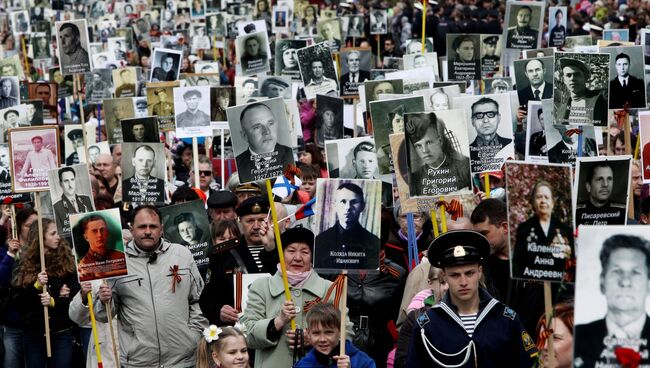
(468,327)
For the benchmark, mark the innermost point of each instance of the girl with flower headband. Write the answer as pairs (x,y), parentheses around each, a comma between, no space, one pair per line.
(222,348)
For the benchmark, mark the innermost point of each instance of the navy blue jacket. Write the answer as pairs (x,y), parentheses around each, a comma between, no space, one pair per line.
(314,359)
(499,337)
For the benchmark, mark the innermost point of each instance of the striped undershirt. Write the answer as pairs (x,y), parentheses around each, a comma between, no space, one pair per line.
(255,252)
(469,322)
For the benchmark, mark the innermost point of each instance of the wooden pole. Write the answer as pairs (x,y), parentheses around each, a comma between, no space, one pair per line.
(77,86)
(443,218)
(378,49)
(41,247)
(276,229)
(487,185)
(14,230)
(344,312)
(424,25)
(195,152)
(93,324)
(223,161)
(109,311)
(27,73)
(548,310)
(434,222)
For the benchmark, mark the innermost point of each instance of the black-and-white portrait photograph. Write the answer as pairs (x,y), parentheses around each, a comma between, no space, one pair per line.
(140,107)
(414,46)
(251,49)
(378,21)
(567,142)
(437,153)
(464,57)
(41,46)
(536,147)
(356,26)
(200,39)
(497,85)
(342,158)
(20,22)
(439,98)
(374,88)
(206,67)
(70,192)
(602,187)
(74,149)
(165,65)
(557,17)
(115,110)
(12,117)
(101,59)
(571,42)
(626,73)
(272,87)
(46,92)
(317,70)
(280,22)
(387,118)
(524,22)
(140,130)
(12,67)
(192,107)
(188,224)
(261,139)
(330,32)
(355,69)
(118,47)
(329,118)
(144,173)
(286,59)
(611,295)
(490,130)
(221,98)
(348,235)
(72,38)
(9,92)
(34,110)
(581,89)
(160,100)
(491,48)
(215,25)
(538,53)
(65,83)
(616,35)
(415,61)
(6,195)
(540,221)
(534,79)
(98,85)
(247,90)
(125,81)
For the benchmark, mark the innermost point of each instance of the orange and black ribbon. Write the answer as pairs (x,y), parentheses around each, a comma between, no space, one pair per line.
(573,131)
(454,208)
(238,290)
(291,172)
(336,288)
(176,278)
(384,268)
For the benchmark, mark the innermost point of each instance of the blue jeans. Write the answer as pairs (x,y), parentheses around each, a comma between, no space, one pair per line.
(85,334)
(36,354)
(14,352)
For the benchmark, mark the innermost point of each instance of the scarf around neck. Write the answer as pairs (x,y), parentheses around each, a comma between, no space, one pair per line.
(297,279)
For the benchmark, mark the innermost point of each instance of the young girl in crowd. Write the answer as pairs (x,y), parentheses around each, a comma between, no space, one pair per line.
(222,348)
(30,296)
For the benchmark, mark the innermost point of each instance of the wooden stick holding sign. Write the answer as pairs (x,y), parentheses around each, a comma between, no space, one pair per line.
(424,25)
(487,185)
(41,249)
(548,311)
(109,311)
(276,230)
(14,231)
(93,324)
(223,161)
(344,311)
(195,152)
(77,86)
(27,73)
(443,217)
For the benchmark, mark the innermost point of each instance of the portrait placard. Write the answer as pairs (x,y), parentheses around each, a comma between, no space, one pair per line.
(463,53)
(566,144)
(160,100)
(192,107)
(279,21)
(534,79)
(373,88)
(140,130)
(251,50)
(274,86)
(330,32)
(115,110)
(644,141)
(98,85)
(343,162)
(616,35)
(490,132)
(286,59)
(125,81)
(317,70)
(12,117)
(602,186)
(187,224)
(261,139)
(12,67)
(144,174)
(329,118)
(221,98)
(349,224)
(99,248)
(538,198)
(496,85)
(46,92)
(378,21)
(72,38)
(428,59)
(557,16)
(524,21)
(626,73)
(71,193)
(356,26)
(74,149)
(536,149)
(166,65)
(355,69)
(33,151)
(20,22)
(6,194)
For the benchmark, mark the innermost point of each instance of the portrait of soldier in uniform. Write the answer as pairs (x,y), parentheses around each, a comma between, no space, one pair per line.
(601,206)
(522,35)
(102,259)
(71,202)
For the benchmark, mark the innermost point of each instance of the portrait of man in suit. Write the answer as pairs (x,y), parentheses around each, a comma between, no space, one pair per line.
(624,282)
(488,143)
(538,87)
(259,128)
(351,80)
(626,88)
(143,187)
(70,202)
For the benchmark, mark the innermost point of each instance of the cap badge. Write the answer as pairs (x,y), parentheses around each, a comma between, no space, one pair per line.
(257,208)
(459,251)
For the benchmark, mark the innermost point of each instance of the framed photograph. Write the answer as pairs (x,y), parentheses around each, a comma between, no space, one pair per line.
(286,59)
(12,117)
(46,92)
(33,151)
(192,107)
(524,22)
(280,20)
(144,175)
(536,148)
(166,65)
(533,78)
(610,292)
(140,130)
(126,82)
(439,98)
(72,36)
(329,118)
(160,100)
(566,144)
(251,49)
(12,67)
(9,92)
(355,69)
(188,224)
(491,48)
(330,32)
(464,57)
(539,197)
(98,244)
(272,87)
(261,139)
(354,206)
(6,194)
(221,98)
(98,85)
(490,132)
(74,149)
(372,89)
(557,16)
(378,21)
(115,110)
(626,77)
(616,35)
(581,77)
(20,22)
(602,186)
(71,193)
(41,46)
(318,71)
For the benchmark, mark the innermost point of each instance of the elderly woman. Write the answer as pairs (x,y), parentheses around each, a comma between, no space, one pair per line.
(268,314)
(542,229)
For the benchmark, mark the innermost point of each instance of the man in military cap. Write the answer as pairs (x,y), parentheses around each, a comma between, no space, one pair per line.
(70,201)
(193,116)
(583,105)
(76,138)
(522,36)
(101,260)
(468,325)
(442,169)
(274,87)
(499,86)
(347,240)
(253,56)
(221,206)
(251,213)
(599,210)
(247,190)
(162,107)
(490,61)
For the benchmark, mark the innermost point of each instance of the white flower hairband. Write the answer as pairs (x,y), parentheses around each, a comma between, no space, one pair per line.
(212,332)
